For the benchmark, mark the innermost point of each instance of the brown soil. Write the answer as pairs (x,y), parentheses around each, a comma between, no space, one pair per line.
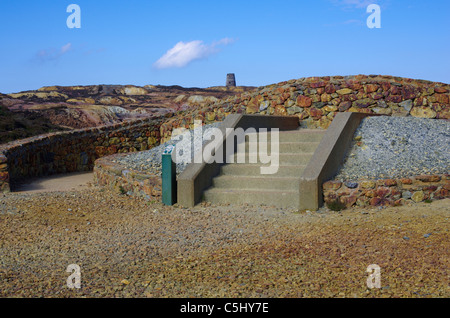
(127,247)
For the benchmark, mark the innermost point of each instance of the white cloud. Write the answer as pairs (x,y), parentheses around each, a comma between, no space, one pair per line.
(184,53)
(53,54)
(66,48)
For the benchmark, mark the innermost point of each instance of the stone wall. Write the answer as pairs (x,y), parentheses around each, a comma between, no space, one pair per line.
(316,100)
(4,174)
(124,180)
(73,151)
(387,192)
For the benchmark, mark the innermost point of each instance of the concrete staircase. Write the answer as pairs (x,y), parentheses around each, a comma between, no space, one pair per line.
(240,183)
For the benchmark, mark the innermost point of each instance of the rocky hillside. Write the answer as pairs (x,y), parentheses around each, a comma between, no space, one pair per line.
(90,106)
(22,124)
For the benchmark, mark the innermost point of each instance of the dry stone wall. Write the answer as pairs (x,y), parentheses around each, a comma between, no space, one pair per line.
(387,192)
(124,180)
(316,100)
(72,151)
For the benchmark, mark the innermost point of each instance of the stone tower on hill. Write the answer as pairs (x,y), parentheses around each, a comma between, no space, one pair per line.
(231,80)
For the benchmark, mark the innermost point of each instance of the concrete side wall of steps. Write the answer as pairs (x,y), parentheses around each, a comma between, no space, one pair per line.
(327,158)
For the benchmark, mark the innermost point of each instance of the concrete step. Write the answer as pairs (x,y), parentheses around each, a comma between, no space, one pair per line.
(284,158)
(257,182)
(249,169)
(300,135)
(288,147)
(284,199)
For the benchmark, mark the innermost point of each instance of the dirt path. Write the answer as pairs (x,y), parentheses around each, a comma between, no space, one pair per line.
(64,182)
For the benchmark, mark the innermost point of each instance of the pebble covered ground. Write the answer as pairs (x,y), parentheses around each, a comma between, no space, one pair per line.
(127,247)
(397,147)
(150,161)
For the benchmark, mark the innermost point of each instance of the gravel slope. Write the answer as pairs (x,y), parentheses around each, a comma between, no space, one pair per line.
(396,147)
(127,247)
(150,161)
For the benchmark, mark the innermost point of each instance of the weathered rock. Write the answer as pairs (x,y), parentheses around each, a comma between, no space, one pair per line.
(318,104)
(394,98)
(382,111)
(325,97)
(332,185)
(406,195)
(406,181)
(344,91)
(418,196)
(441,98)
(343,106)
(264,105)
(324,122)
(294,110)
(367,184)
(390,182)
(440,89)
(427,178)
(315,113)
(280,111)
(330,89)
(407,104)
(304,101)
(348,200)
(330,108)
(363,103)
(370,88)
(423,112)
(351,185)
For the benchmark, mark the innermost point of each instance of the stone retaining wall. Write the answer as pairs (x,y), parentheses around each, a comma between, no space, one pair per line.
(316,100)
(73,151)
(126,181)
(387,192)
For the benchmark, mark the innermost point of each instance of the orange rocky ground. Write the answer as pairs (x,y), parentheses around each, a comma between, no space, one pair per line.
(73,107)
(132,248)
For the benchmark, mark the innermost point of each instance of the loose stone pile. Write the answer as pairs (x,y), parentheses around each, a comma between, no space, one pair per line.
(392,147)
(150,161)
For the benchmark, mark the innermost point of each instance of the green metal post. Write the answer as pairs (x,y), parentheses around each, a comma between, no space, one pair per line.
(169,177)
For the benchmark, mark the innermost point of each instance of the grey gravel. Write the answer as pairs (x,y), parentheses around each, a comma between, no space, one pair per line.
(149,161)
(397,147)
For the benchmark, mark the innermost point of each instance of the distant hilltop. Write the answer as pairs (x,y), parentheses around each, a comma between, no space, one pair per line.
(52,108)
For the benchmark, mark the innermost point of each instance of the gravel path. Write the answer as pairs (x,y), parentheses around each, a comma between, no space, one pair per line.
(394,147)
(150,161)
(127,247)
(60,182)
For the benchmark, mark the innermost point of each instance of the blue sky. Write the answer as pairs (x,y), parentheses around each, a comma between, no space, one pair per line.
(196,43)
